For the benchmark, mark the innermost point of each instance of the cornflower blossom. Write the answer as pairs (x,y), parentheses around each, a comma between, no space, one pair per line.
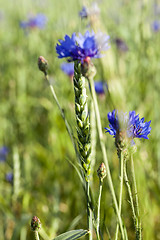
(68,68)
(90,11)
(121,45)
(84,12)
(3,153)
(39,21)
(100,87)
(155,26)
(9,177)
(82,47)
(131,125)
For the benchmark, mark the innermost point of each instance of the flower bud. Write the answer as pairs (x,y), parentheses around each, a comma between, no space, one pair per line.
(101,172)
(42,64)
(122,143)
(87,68)
(35,224)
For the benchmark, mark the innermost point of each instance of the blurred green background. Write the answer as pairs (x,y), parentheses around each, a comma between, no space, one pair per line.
(44,183)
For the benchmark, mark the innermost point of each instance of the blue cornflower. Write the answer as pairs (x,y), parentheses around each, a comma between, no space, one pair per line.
(131,125)
(138,128)
(114,123)
(156,26)
(83,13)
(83,46)
(9,177)
(121,45)
(89,11)
(100,87)
(68,68)
(23,24)
(3,153)
(38,21)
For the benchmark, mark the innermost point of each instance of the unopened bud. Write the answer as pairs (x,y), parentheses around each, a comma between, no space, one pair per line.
(42,64)
(87,68)
(35,224)
(101,172)
(122,143)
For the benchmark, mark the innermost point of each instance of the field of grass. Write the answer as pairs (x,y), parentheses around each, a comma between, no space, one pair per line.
(40,154)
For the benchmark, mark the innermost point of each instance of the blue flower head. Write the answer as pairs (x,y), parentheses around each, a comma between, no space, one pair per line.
(38,21)
(137,127)
(92,10)
(83,13)
(131,125)
(156,26)
(121,45)
(100,87)
(83,46)
(3,153)
(68,68)
(9,177)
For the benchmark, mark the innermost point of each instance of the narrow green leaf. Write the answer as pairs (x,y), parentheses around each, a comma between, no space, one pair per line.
(72,235)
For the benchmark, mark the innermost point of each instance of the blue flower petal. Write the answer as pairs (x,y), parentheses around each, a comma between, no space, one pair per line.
(68,68)
(3,153)
(134,127)
(82,46)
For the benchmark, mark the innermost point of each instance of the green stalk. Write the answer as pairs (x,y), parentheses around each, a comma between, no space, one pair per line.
(36,236)
(110,183)
(89,213)
(121,190)
(93,139)
(16,172)
(61,111)
(135,219)
(136,198)
(68,127)
(98,210)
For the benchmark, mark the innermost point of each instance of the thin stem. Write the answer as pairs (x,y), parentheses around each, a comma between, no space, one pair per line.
(135,220)
(136,197)
(134,186)
(16,169)
(93,138)
(70,132)
(110,183)
(61,110)
(89,213)
(36,236)
(98,209)
(121,190)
